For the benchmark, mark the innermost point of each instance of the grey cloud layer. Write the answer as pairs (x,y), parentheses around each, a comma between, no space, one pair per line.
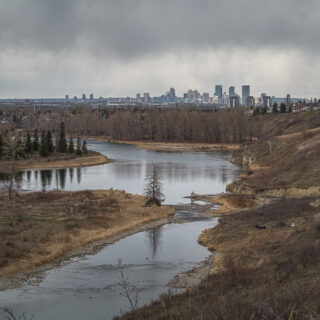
(129,27)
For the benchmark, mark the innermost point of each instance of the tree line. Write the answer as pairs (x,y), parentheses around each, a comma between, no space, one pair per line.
(152,124)
(43,145)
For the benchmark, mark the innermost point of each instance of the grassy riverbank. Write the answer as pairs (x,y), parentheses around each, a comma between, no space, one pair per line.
(37,228)
(57,161)
(173,146)
(266,267)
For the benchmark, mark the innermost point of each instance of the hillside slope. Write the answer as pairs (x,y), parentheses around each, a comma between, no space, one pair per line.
(285,165)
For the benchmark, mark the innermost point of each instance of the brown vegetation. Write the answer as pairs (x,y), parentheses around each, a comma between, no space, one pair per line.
(37,228)
(58,160)
(259,273)
(286,165)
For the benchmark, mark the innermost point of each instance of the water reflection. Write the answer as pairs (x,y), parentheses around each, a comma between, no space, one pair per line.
(181,173)
(154,239)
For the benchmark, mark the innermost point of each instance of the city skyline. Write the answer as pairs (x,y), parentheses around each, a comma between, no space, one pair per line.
(49,48)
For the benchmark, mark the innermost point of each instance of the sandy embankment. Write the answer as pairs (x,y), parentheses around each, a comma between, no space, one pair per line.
(173,146)
(38,229)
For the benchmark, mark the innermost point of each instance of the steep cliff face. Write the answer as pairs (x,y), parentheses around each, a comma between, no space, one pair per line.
(287,165)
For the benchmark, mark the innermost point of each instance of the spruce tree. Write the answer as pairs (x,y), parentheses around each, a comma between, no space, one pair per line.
(35,141)
(43,145)
(49,142)
(62,143)
(71,146)
(282,108)
(84,147)
(78,151)
(275,108)
(28,145)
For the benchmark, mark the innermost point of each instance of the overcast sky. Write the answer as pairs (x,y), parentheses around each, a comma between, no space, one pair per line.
(49,48)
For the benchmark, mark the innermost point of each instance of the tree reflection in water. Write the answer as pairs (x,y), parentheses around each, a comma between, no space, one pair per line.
(154,239)
(71,174)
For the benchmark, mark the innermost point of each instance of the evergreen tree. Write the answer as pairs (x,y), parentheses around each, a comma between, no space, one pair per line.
(282,108)
(1,146)
(153,188)
(43,145)
(275,108)
(264,110)
(71,146)
(35,141)
(84,147)
(62,143)
(49,142)
(290,109)
(78,151)
(28,145)
(256,111)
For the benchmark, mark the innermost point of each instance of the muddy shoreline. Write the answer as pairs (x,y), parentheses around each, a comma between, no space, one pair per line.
(35,274)
(59,162)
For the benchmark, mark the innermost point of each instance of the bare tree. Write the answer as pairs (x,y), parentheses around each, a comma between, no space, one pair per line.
(10,315)
(13,148)
(153,189)
(127,290)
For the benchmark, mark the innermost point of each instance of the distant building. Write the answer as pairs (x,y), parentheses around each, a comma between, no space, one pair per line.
(288,99)
(75,98)
(245,93)
(232,92)
(218,91)
(172,94)
(84,98)
(91,96)
(250,101)
(206,97)
(67,97)
(234,101)
(266,101)
(146,97)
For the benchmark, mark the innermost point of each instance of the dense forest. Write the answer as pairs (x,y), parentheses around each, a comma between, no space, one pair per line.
(178,124)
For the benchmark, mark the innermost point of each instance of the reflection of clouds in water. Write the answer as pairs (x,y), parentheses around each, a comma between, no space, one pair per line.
(128,170)
(185,172)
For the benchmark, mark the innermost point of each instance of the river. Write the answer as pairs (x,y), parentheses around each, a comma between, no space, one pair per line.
(87,287)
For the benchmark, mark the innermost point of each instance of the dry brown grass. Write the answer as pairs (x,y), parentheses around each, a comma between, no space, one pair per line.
(235,202)
(180,146)
(270,273)
(37,228)
(57,161)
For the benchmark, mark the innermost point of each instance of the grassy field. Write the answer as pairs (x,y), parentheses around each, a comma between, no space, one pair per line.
(36,228)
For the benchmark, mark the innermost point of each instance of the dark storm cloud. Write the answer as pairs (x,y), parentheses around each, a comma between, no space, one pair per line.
(134,27)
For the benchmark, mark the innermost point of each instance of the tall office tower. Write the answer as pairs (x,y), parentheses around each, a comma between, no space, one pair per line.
(146,97)
(288,99)
(172,93)
(91,96)
(84,97)
(67,97)
(250,101)
(232,92)
(206,97)
(218,91)
(245,94)
(138,96)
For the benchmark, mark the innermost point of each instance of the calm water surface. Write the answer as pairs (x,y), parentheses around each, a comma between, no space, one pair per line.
(87,287)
